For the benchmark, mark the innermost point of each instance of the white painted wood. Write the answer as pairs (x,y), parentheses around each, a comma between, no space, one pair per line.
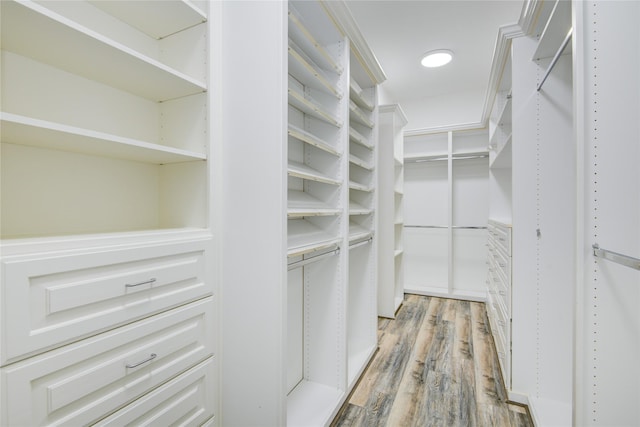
(82,382)
(56,298)
(607,383)
(185,399)
(56,40)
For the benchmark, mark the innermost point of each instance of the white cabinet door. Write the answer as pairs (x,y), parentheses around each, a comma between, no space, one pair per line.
(80,383)
(59,298)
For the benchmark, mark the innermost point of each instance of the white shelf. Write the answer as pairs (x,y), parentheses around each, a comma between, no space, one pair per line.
(359,116)
(22,130)
(30,29)
(169,16)
(358,232)
(357,137)
(301,204)
(298,31)
(357,209)
(300,170)
(311,404)
(308,73)
(502,159)
(309,106)
(360,187)
(398,252)
(310,139)
(398,162)
(359,162)
(304,237)
(358,362)
(358,96)
(555,31)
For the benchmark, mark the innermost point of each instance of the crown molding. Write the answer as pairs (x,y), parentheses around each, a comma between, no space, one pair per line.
(341,15)
(394,109)
(446,128)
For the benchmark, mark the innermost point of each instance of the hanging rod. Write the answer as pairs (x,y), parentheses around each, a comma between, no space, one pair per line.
(564,44)
(361,243)
(459,227)
(439,159)
(616,257)
(303,262)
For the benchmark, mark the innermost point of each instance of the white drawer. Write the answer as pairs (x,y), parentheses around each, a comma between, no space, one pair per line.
(501,234)
(81,383)
(503,322)
(503,262)
(185,399)
(60,298)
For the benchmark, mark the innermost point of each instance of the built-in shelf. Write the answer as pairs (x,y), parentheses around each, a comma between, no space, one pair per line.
(356,114)
(360,187)
(17,129)
(398,252)
(169,16)
(357,209)
(300,170)
(357,95)
(304,237)
(359,162)
(308,73)
(298,31)
(301,204)
(430,157)
(358,232)
(311,404)
(310,139)
(357,137)
(311,107)
(555,31)
(502,158)
(32,30)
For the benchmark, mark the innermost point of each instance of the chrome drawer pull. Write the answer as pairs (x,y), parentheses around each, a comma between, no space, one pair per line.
(146,282)
(148,359)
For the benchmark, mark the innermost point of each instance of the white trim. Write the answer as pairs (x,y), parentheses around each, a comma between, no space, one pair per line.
(394,109)
(341,15)
(446,128)
(520,398)
(444,293)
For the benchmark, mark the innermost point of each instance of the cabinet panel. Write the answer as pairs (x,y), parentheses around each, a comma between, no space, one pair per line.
(80,383)
(183,401)
(55,299)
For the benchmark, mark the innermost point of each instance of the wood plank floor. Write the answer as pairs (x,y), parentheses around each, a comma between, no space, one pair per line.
(436,366)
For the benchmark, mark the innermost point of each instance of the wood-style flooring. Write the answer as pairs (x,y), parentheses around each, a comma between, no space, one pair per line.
(436,366)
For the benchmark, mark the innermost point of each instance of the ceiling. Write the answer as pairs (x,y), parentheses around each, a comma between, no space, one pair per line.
(399,33)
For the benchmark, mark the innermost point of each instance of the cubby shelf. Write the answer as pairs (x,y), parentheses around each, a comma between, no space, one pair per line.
(357,115)
(357,209)
(33,30)
(299,32)
(358,232)
(357,95)
(22,130)
(358,138)
(360,187)
(359,162)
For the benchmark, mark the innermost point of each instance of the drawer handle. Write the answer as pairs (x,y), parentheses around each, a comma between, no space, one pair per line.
(148,359)
(502,239)
(146,282)
(503,293)
(502,264)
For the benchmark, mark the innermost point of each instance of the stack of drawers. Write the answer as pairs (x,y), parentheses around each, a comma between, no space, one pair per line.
(111,335)
(499,293)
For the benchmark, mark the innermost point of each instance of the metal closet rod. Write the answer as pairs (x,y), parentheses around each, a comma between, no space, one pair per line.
(464,227)
(315,258)
(439,159)
(616,257)
(564,44)
(361,243)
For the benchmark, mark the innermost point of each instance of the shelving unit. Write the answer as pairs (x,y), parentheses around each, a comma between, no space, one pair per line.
(390,210)
(109,164)
(446,211)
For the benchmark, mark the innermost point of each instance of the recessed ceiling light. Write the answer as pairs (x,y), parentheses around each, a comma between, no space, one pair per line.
(436,58)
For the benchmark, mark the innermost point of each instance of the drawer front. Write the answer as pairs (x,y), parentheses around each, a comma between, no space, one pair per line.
(503,322)
(80,383)
(185,400)
(56,300)
(503,263)
(501,234)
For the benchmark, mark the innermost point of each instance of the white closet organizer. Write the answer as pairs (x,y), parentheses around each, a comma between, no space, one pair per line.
(363,239)
(317,215)
(390,205)
(107,250)
(446,211)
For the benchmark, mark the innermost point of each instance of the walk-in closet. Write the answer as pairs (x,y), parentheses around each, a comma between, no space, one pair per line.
(282,213)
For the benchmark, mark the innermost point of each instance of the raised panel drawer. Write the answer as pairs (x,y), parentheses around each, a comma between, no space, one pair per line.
(183,401)
(60,298)
(501,234)
(81,383)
